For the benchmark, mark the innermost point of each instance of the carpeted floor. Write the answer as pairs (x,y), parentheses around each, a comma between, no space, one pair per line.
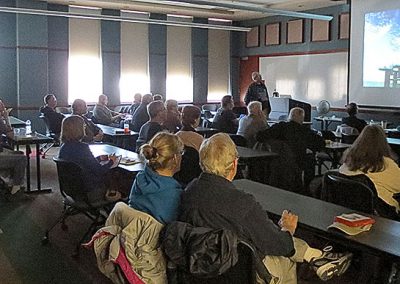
(23,221)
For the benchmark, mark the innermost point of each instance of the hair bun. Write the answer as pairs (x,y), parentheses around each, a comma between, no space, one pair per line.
(154,153)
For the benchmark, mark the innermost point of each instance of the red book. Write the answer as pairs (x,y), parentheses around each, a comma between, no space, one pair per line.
(354,220)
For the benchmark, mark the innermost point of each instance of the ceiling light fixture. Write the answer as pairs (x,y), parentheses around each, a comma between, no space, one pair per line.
(255,8)
(121,19)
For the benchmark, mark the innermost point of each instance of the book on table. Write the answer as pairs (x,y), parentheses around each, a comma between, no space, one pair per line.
(352,223)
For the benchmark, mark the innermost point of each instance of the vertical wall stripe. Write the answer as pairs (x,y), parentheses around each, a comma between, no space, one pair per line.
(200,62)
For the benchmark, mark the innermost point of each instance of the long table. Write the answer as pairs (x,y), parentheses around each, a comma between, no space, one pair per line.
(106,149)
(27,140)
(382,241)
(118,137)
(317,215)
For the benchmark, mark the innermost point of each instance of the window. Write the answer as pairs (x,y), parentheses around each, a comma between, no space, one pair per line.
(179,62)
(85,77)
(218,65)
(134,58)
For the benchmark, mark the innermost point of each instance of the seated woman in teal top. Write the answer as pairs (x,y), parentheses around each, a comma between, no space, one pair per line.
(154,190)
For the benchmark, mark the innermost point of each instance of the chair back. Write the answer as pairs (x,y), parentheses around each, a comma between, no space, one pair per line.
(239,110)
(70,178)
(190,167)
(47,124)
(239,140)
(349,138)
(349,191)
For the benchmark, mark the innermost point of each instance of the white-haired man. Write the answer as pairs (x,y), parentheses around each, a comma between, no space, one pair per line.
(257,91)
(213,201)
(299,138)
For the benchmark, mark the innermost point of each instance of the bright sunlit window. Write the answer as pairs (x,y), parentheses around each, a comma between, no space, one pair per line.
(131,84)
(85,72)
(180,88)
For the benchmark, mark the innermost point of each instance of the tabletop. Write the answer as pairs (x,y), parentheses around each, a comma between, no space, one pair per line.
(249,153)
(16,122)
(106,149)
(316,214)
(114,131)
(34,138)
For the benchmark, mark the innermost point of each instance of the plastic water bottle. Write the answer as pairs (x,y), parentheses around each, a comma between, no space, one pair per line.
(126,126)
(28,128)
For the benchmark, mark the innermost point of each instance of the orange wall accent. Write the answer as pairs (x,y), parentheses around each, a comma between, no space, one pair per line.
(248,65)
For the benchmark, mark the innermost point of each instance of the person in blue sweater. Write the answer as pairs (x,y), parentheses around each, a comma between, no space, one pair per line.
(154,190)
(73,150)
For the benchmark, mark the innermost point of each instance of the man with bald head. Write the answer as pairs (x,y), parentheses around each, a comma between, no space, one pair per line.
(257,91)
(104,115)
(93,133)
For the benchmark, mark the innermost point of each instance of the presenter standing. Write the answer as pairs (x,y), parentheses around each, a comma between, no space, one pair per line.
(257,91)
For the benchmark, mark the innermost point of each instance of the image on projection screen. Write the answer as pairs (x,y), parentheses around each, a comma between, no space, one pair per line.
(382,49)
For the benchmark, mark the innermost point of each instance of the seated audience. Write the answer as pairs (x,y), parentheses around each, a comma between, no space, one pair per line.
(173,120)
(93,133)
(157,114)
(104,115)
(190,120)
(140,115)
(49,112)
(154,190)
(74,150)
(252,123)
(12,163)
(371,155)
(225,120)
(137,98)
(212,201)
(299,138)
(352,120)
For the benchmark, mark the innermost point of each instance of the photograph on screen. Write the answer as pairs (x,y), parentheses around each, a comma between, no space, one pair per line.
(382,49)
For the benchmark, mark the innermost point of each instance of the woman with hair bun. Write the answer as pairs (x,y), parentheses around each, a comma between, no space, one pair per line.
(154,190)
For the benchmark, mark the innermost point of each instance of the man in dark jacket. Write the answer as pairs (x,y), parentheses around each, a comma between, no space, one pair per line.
(213,201)
(257,91)
(299,138)
(225,120)
(140,115)
(157,114)
(49,111)
(352,120)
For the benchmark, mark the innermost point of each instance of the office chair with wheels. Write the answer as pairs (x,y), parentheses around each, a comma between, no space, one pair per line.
(75,201)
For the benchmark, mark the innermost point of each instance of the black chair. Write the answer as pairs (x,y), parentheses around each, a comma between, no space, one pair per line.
(239,140)
(56,137)
(206,116)
(355,192)
(349,139)
(190,167)
(205,256)
(75,201)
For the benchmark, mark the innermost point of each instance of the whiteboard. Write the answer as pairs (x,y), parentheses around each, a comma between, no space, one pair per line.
(309,78)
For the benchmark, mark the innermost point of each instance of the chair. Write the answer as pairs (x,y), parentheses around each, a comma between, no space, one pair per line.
(355,192)
(45,148)
(239,140)
(206,116)
(239,110)
(226,259)
(75,200)
(190,167)
(348,138)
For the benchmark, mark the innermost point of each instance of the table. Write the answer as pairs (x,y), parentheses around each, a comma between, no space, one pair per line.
(16,122)
(384,237)
(118,137)
(326,121)
(105,149)
(253,158)
(206,131)
(334,151)
(315,215)
(27,140)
